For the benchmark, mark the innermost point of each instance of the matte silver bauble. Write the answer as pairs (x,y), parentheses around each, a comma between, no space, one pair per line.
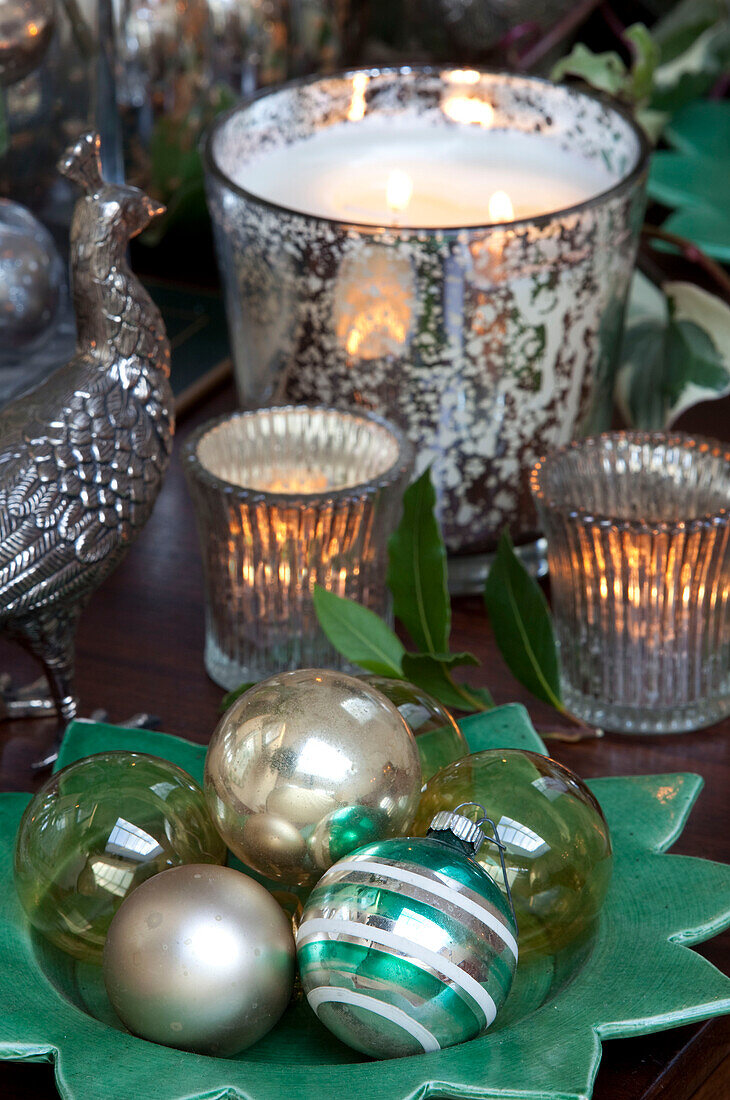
(31,273)
(26,27)
(200,958)
(307,766)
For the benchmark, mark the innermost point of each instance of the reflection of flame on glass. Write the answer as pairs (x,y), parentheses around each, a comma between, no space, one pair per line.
(293,480)
(373,305)
(468,108)
(398,191)
(500,207)
(360,82)
(462,76)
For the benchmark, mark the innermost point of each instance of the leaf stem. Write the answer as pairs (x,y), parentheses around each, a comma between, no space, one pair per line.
(580,732)
(463,691)
(691,252)
(565,26)
(616,27)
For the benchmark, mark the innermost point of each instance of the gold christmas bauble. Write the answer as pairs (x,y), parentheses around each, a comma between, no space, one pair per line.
(307,766)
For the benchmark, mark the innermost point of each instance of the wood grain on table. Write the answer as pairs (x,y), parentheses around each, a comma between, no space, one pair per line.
(140,648)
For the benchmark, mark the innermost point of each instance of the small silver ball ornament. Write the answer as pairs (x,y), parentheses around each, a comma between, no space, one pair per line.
(307,766)
(201,958)
(31,274)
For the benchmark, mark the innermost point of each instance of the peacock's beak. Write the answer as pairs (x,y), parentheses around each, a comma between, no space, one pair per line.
(154,208)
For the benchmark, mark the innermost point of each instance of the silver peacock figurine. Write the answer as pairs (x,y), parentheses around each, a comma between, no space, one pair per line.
(82,457)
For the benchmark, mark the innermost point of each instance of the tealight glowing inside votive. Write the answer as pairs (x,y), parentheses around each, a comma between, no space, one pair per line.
(288,499)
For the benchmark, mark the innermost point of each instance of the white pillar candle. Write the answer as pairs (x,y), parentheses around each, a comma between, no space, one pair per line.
(410,173)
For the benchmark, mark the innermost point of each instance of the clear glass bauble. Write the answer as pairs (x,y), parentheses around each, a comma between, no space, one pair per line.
(95,831)
(439,739)
(558,848)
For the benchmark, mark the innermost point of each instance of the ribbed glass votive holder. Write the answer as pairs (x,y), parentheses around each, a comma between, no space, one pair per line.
(287,498)
(638,530)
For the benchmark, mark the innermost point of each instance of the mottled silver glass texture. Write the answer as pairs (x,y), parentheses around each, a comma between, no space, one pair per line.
(287,498)
(490,344)
(638,529)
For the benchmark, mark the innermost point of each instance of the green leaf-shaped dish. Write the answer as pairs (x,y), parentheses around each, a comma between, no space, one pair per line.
(637,975)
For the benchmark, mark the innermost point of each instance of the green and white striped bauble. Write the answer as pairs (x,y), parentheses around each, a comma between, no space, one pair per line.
(407,946)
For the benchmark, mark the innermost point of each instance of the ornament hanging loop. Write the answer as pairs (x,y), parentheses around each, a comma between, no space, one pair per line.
(480,823)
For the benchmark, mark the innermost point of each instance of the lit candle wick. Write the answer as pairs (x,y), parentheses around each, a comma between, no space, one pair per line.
(398,191)
(500,207)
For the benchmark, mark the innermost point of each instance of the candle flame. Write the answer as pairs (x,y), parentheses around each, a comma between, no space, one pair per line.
(360,82)
(470,109)
(33,29)
(500,207)
(398,191)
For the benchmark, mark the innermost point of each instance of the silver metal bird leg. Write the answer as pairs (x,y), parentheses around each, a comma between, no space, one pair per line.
(30,701)
(140,721)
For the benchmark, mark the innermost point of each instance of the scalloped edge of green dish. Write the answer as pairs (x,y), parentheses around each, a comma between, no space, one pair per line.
(658,905)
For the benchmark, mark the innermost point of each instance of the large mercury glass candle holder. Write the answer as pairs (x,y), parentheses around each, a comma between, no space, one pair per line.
(287,498)
(449,248)
(638,530)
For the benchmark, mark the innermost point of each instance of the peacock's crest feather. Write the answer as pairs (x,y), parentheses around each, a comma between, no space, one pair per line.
(82,163)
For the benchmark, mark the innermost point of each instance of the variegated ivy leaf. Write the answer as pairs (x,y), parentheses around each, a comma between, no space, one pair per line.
(675,352)
(608,72)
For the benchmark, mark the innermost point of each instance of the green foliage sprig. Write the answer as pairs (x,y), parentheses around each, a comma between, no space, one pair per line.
(417,579)
(674,64)
(608,72)
(674,349)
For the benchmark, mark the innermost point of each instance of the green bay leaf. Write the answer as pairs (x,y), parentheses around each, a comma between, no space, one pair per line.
(433,675)
(359,634)
(707,227)
(692,176)
(417,570)
(522,624)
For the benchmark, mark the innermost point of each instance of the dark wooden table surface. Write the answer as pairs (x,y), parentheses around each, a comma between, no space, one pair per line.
(140,647)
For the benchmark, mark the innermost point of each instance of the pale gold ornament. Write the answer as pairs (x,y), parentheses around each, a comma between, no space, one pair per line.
(305,767)
(200,957)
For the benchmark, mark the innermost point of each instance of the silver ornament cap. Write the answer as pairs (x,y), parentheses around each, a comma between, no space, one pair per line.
(449,821)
